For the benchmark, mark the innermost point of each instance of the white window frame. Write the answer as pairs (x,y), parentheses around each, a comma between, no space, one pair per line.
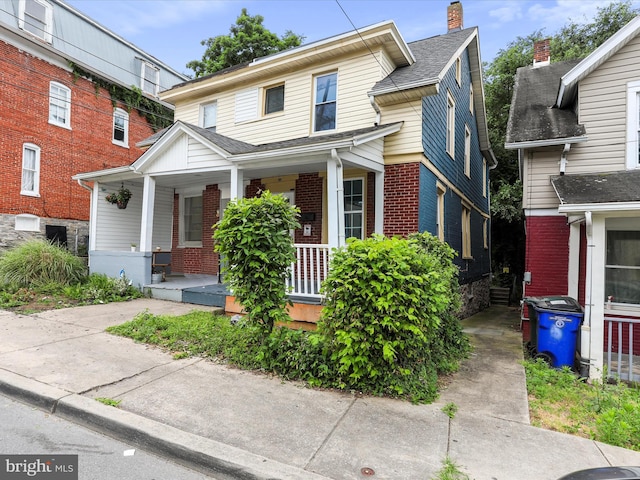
(203,110)
(613,267)
(315,102)
(143,78)
(363,219)
(466,232)
(188,193)
(35,171)
(47,33)
(59,99)
(633,125)
(451,126)
(471,106)
(467,151)
(440,217)
(120,113)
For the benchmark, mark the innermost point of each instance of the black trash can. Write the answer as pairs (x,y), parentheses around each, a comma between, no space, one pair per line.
(556,322)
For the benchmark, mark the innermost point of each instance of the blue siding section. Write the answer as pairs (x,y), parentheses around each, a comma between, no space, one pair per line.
(434,143)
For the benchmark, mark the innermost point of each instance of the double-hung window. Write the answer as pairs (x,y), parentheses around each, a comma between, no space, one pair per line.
(466,232)
(451,126)
(441,191)
(59,105)
(274,99)
(353,208)
(36,17)
(633,125)
(325,102)
(30,170)
(192,220)
(209,115)
(467,151)
(120,127)
(622,268)
(150,78)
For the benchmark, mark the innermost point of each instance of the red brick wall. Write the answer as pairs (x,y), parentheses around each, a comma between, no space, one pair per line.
(309,200)
(401,198)
(24,103)
(371,204)
(211,208)
(254,188)
(547,255)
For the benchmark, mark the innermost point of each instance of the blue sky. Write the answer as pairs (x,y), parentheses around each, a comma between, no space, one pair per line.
(172,30)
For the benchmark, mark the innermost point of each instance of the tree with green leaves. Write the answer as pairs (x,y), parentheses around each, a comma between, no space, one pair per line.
(247,39)
(574,40)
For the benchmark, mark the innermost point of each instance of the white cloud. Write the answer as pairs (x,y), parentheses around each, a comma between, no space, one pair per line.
(507,12)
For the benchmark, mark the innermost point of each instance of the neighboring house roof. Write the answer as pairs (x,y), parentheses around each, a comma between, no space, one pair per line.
(613,187)
(533,118)
(569,83)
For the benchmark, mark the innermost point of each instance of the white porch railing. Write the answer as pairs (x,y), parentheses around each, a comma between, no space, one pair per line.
(309,270)
(620,357)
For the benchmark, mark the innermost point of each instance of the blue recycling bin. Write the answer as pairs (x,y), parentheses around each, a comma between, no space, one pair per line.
(558,324)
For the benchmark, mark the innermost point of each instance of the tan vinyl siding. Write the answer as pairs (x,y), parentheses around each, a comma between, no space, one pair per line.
(539,166)
(356,76)
(602,110)
(409,138)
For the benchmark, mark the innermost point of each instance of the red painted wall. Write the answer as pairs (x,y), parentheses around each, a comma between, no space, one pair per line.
(547,255)
(87,146)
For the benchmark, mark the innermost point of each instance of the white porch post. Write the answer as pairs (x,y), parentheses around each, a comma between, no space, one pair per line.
(597,252)
(335,201)
(237,183)
(379,209)
(93,217)
(146,222)
(574,259)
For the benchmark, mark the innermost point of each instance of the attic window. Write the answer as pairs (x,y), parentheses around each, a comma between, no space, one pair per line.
(150,78)
(208,115)
(274,99)
(36,17)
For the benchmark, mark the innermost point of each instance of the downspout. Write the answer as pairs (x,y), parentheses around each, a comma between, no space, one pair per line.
(340,198)
(585,337)
(83,184)
(563,158)
(375,106)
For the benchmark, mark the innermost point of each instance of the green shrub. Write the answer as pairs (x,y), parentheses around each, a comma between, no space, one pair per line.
(37,262)
(253,237)
(389,315)
(99,288)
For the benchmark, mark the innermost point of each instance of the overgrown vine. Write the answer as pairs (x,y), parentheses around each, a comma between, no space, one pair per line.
(156,114)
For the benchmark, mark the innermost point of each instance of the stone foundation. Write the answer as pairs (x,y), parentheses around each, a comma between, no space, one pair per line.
(475,297)
(77,233)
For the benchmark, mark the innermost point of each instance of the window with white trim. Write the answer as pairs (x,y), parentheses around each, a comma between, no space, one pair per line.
(325,102)
(191,220)
(451,125)
(30,170)
(59,105)
(458,71)
(273,99)
(471,107)
(466,232)
(467,151)
(441,191)
(120,127)
(354,208)
(485,233)
(622,268)
(209,115)
(150,78)
(633,125)
(484,177)
(36,17)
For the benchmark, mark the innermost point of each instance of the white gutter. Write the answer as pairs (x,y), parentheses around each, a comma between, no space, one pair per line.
(598,207)
(563,158)
(84,185)
(585,337)
(375,106)
(545,143)
(339,194)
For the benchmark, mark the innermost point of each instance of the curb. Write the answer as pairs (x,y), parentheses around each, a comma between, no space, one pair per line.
(202,454)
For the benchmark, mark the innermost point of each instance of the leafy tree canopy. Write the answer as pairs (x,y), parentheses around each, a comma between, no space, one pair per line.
(247,39)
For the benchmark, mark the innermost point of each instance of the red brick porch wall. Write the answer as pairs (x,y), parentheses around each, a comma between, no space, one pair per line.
(401,198)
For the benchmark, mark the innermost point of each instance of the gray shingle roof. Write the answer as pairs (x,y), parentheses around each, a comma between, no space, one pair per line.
(598,187)
(432,54)
(532,116)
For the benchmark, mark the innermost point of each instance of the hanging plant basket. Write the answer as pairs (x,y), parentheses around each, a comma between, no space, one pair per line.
(120,198)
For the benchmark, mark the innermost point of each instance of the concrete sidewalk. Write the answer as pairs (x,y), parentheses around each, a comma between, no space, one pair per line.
(233,424)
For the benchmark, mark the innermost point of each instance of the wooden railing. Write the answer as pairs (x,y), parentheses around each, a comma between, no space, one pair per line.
(309,270)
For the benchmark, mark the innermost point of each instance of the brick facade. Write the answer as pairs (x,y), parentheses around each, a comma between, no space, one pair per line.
(309,187)
(86,146)
(401,198)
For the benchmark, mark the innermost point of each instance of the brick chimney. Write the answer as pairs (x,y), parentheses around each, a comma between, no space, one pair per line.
(542,53)
(454,17)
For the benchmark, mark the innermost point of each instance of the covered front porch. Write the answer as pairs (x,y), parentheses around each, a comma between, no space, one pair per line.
(181,185)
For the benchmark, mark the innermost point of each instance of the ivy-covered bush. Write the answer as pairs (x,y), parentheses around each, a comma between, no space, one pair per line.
(389,320)
(253,237)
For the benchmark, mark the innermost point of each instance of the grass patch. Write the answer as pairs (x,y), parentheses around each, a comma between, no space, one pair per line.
(109,401)
(560,401)
(450,471)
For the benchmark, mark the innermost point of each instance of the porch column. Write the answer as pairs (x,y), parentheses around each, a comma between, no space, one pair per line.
(574,257)
(146,222)
(379,209)
(335,201)
(596,255)
(237,183)
(93,217)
